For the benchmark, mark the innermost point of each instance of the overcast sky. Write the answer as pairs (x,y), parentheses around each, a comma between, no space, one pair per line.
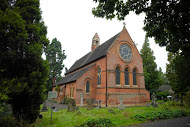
(72,23)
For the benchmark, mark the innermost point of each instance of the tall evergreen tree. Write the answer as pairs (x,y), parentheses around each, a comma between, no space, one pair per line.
(178,72)
(22,70)
(151,74)
(55,56)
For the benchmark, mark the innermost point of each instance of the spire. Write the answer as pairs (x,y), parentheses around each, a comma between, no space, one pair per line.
(95,42)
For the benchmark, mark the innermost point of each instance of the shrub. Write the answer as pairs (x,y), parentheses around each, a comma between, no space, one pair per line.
(138,117)
(66,100)
(156,115)
(187,98)
(164,94)
(100,122)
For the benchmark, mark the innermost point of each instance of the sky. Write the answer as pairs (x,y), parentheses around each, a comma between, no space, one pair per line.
(73,24)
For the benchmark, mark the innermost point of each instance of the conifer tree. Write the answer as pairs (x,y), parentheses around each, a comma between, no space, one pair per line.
(22,70)
(151,74)
(55,56)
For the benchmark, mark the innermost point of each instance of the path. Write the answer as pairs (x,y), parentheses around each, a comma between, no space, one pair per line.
(177,122)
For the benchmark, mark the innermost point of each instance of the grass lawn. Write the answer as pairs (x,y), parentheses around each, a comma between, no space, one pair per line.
(120,118)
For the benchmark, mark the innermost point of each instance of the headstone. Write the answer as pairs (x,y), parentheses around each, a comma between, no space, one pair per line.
(153,98)
(155,105)
(71,105)
(100,103)
(121,105)
(76,108)
(162,100)
(111,111)
(81,100)
(97,107)
(78,113)
(44,108)
(55,110)
(89,104)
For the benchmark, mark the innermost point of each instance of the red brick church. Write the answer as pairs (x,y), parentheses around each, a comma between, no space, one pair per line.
(109,71)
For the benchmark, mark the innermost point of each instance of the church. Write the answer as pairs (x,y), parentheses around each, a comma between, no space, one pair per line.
(109,71)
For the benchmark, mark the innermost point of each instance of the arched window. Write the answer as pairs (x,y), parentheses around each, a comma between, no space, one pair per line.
(117,76)
(71,91)
(134,76)
(87,86)
(99,77)
(126,76)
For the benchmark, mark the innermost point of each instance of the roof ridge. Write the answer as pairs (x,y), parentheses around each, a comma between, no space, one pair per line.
(74,76)
(90,57)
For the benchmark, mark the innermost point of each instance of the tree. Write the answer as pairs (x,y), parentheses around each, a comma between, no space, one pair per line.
(152,81)
(171,73)
(178,72)
(55,56)
(166,20)
(162,77)
(22,70)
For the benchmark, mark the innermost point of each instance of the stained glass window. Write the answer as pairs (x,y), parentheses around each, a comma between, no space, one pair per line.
(126,77)
(99,77)
(134,77)
(87,87)
(125,52)
(117,75)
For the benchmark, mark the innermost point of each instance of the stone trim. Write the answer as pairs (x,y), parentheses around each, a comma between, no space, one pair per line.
(120,88)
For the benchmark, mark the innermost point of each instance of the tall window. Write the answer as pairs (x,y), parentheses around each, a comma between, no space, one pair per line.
(99,77)
(126,76)
(134,76)
(117,75)
(88,86)
(71,91)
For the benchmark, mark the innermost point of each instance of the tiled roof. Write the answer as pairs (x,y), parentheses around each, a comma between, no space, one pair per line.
(73,77)
(90,57)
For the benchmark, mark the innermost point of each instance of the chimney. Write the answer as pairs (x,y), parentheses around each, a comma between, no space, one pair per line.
(95,42)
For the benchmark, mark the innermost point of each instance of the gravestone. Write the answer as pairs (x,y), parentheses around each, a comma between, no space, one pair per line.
(111,111)
(78,113)
(162,100)
(153,98)
(97,107)
(71,105)
(81,100)
(121,105)
(89,104)
(100,103)
(44,107)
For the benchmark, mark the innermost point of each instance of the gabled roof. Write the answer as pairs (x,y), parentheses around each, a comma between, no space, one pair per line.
(164,87)
(90,57)
(73,77)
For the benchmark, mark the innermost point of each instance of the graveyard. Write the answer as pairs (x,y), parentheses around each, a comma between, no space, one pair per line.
(81,116)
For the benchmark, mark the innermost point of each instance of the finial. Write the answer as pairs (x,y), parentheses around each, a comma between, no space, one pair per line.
(124,23)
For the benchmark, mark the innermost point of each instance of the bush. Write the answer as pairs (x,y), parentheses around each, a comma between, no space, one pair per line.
(8,121)
(100,122)
(156,115)
(138,117)
(164,94)
(187,98)
(66,100)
